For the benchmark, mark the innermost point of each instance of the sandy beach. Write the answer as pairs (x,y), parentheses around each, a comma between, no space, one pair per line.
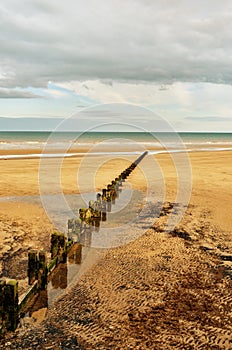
(161,291)
(115,175)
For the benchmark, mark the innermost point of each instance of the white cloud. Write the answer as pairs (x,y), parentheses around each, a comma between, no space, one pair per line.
(190,98)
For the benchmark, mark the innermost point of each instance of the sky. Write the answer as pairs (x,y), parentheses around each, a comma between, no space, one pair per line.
(172,57)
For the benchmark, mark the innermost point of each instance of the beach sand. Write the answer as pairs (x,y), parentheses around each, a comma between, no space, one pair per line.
(162,291)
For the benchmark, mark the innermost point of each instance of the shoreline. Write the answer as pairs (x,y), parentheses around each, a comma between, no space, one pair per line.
(39,154)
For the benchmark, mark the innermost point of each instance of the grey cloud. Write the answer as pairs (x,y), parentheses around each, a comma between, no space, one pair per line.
(107,82)
(12,93)
(86,86)
(209,119)
(149,41)
(163,88)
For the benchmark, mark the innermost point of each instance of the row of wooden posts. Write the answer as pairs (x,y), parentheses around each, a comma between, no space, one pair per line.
(91,217)
(39,270)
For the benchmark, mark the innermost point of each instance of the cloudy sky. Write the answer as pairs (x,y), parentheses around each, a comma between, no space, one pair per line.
(171,56)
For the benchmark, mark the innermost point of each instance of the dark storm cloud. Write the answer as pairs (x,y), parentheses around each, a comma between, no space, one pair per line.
(149,41)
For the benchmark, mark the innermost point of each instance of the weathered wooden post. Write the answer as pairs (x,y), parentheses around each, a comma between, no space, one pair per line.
(104,216)
(108,198)
(42,271)
(62,254)
(58,245)
(2,306)
(119,182)
(99,199)
(78,253)
(11,304)
(132,166)
(88,236)
(89,216)
(119,179)
(71,226)
(54,245)
(98,205)
(59,277)
(87,232)
(97,214)
(123,175)
(32,270)
(97,222)
(113,191)
(117,185)
(77,229)
(82,215)
(104,203)
(74,255)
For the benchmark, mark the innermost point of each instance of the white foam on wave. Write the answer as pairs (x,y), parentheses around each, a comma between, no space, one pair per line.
(126,153)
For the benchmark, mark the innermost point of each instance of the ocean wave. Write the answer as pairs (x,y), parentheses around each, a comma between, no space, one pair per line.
(208,142)
(24,144)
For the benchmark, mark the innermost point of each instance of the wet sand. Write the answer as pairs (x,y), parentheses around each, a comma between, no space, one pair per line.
(162,291)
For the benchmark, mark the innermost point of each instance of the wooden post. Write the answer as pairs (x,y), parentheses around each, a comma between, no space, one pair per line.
(78,251)
(133,165)
(32,270)
(62,247)
(109,198)
(97,208)
(43,271)
(2,304)
(59,277)
(82,214)
(104,216)
(113,192)
(58,246)
(54,245)
(88,236)
(77,229)
(97,221)
(11,304)
(88,216)
(119,182)
(74,255)
(71,228)
(123,175)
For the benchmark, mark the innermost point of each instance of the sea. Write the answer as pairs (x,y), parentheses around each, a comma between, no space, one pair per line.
(65,144)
